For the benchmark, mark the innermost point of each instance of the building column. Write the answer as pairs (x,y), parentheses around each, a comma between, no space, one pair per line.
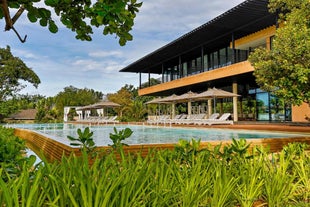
(189,108)
(140,80)
(209,107)
(66,112)
(172,110)
(235,101)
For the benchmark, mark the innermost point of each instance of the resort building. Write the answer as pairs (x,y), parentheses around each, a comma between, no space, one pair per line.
(215,55)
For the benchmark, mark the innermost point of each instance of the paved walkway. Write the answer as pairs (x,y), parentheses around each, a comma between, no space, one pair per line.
(267,126)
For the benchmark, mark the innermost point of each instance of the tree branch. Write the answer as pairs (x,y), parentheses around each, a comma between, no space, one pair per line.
(6,14)
(19,37)
(9,21)
(17,15)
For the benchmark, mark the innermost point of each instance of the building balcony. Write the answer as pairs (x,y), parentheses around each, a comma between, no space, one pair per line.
(225,72)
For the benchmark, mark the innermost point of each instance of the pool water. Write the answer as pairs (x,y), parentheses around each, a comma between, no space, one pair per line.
(143,134)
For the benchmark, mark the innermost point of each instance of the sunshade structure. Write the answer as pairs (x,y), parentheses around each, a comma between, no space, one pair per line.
(186,97)
(103,104)
(189,96)
(214,93)
(99,106)
(170,99)
(156,101)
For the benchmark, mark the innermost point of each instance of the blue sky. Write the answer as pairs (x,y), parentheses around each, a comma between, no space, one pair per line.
(60,60)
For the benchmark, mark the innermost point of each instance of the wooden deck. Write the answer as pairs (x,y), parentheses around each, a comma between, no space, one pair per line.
(53,150)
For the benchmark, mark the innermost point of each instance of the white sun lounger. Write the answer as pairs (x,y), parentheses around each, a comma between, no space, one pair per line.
(213,116)
(222,120)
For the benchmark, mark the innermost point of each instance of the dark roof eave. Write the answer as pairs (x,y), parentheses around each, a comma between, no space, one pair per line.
(218,29)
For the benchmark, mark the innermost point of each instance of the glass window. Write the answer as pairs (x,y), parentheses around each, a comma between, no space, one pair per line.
(215,59)
(223,56)
(229,56)
(205,62)
(198,65)
(185,73)
(175,73)
(262,103)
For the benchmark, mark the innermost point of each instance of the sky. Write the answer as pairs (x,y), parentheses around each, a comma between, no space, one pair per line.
(60,60)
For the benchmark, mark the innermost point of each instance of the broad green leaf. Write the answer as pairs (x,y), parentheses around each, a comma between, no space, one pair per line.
(43,22)
(32,18)
(52,27)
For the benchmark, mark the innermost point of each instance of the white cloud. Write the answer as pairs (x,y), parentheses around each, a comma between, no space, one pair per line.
(60,60)
(104,54)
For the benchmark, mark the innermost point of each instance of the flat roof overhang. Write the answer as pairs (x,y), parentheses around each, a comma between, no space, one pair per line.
(241,73)
(242,20)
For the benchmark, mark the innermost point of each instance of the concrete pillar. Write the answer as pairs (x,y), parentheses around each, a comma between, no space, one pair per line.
(235,101)
(209,107)
(189,108)
(66,112)
(172,110)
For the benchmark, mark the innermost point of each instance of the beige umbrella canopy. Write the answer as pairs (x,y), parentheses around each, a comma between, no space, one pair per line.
(88,107)
(186,97)
(156,101)
(214,93)
(99,105)
(168,99)
(107,103)
(189,96)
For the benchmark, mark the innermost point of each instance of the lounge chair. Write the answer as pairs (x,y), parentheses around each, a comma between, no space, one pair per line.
(181,120)
(175,119)
(159,120)
(224,119)
(195,118)
(191,119)
(213,116)
(112,119)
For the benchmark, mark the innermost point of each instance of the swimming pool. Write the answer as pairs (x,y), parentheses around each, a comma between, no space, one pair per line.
(145,134)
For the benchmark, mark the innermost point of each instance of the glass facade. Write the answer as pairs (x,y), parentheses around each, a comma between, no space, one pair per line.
(203,61)
(270,108)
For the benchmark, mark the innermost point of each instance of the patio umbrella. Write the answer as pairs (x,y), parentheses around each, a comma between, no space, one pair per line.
(214,93)
(170,99)
(186,97)
(106,103)
(100,106)
(156,101)
(87,107)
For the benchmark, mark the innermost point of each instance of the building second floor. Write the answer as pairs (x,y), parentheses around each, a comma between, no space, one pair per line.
(212,52)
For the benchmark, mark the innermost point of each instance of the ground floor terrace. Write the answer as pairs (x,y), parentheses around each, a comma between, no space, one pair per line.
(252,104)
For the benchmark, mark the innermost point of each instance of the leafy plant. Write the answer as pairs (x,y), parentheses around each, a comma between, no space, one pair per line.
(240,147)
(85,140)
(186,150)
(118,137)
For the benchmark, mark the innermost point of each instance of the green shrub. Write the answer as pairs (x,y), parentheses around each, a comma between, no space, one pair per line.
(12,154)
(184,177)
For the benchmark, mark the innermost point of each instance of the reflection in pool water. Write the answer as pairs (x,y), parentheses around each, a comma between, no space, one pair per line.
(149,134)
